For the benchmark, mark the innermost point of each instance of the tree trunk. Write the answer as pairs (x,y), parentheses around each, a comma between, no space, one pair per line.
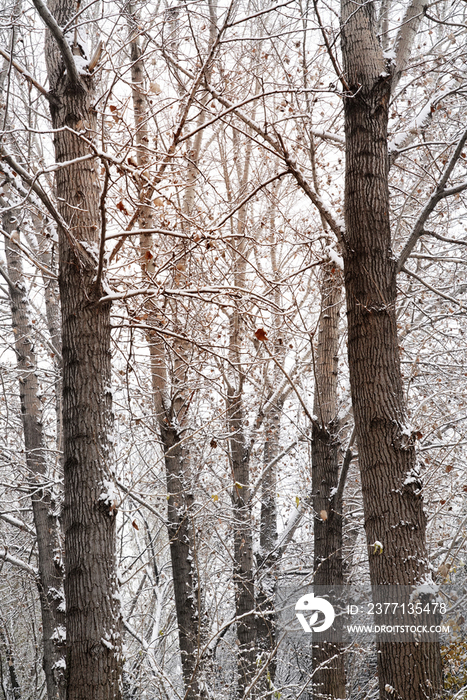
(180,500)
(266,576)
(93,642)
(13,677)
(45,519)
(169,416)
(328,660)
(393,509)
(243,541)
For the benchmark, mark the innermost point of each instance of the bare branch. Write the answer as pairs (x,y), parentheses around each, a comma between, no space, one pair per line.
(17,66)
(250,196)
(4,274)
(337,68)
(18,562)
(63,45)
(439,194)
(17,523)
(432,289)
(311,418)
(105,188)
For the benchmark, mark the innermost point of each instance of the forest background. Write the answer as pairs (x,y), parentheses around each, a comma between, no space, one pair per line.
(232,340)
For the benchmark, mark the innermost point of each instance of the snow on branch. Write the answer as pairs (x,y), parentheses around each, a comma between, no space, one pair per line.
(405,38)
(18,67)
(11,520)
(59,37)
(4,554)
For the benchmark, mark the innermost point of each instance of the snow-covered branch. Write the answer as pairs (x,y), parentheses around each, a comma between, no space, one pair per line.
(6,556)
(405,38)
(65,49)
(18,67)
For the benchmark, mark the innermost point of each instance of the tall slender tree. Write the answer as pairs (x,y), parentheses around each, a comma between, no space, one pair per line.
(93,644)
(393,504)
(44,512)
(328,659)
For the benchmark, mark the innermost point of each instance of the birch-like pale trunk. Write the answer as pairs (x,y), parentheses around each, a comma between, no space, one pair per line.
(50,581)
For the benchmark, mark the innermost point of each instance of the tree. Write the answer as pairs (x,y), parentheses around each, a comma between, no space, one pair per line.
(44,509)
(212,143)
(393,506)
(328,659)
(93,646)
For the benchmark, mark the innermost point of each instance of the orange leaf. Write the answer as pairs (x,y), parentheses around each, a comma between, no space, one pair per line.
(260,333)
(122,207)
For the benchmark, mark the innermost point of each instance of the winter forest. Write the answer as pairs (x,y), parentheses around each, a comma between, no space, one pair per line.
(233,356)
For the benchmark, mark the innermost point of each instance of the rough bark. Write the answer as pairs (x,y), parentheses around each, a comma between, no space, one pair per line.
(45,519)
(243,542)
(12,675)
(169,413)
(142,113)
(393,509)
(328,660)
(93,642)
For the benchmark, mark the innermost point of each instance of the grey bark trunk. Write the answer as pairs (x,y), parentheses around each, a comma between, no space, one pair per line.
(243,544)
(186,591)
(94,658)
(393,510)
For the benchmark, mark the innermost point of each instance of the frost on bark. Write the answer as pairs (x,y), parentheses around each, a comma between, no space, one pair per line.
(50,581)
(93,641)
(393,506)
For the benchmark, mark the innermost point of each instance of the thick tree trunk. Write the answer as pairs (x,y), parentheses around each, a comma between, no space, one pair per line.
(393,507)
(93,642)
(328,660)
(45,520)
